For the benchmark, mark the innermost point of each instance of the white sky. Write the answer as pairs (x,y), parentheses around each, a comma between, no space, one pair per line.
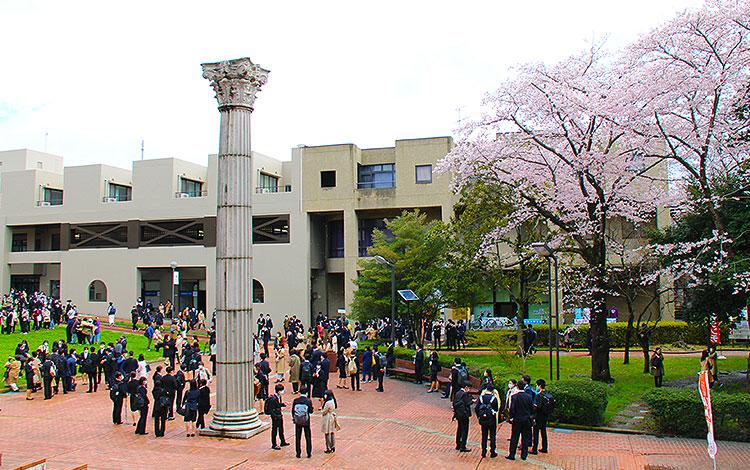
(99,76)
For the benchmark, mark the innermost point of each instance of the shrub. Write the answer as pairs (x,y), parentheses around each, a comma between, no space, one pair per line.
(666,332)
(679,412)
(578,402)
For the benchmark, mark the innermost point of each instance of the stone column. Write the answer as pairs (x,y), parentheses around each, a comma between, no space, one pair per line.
(236,83)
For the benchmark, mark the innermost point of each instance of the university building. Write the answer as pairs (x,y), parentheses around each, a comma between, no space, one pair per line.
(97,234)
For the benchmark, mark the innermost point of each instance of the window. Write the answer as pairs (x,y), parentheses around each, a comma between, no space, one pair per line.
(172,232)
(20,242)
(120,192)
(97,292)
(39,165)
(53,196)
(268,183)
(377,176)
(423,174)
(328,179)
(271,229)
(366,229)
(190,187)
(259,294)
(336,239)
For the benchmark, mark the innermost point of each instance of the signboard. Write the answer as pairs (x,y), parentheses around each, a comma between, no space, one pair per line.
(175,277)
(460,313)
(705,392)
(532,321)
(740,331)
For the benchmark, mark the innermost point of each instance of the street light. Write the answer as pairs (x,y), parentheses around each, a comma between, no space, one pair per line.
(175,280)
(544,250)
(380,260)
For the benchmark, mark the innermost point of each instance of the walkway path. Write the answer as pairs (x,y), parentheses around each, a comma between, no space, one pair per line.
(399,429)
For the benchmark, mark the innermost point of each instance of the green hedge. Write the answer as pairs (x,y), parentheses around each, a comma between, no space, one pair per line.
(666,332)
(679,412)
(578,402)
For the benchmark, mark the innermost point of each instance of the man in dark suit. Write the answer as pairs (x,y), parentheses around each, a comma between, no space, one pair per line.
(93,363)
(47,376)
(378,368)
(118,392)
(300,424)
(273,405)
(169,349)
(521,414)
(462,413)
(169,385)
(419,363)
(129,365)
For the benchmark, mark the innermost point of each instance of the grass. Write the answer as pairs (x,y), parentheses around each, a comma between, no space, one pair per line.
(136,343)
(630,383)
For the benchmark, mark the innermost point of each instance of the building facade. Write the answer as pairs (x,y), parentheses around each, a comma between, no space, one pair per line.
(96,234)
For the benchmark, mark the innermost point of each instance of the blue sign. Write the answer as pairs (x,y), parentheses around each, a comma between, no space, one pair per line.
(532,321)
(151,293)
(408,295)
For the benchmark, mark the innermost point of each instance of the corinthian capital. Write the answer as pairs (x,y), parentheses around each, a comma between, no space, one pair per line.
(235,81)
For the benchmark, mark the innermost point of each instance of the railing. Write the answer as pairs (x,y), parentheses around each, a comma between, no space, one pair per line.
(190,194)
(273,189)
(376,185)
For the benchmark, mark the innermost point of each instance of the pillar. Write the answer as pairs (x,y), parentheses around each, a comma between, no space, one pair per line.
(236,83)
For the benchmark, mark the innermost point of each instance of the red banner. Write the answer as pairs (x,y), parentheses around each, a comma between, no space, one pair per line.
(715,331)
(705,391)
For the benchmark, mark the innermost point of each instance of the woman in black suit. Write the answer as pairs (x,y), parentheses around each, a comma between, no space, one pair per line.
(142,403)
(204,404)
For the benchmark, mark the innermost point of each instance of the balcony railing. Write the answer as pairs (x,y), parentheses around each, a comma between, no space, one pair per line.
(48,203)
(190,194)
(115,199)
(273,189)
(376,184)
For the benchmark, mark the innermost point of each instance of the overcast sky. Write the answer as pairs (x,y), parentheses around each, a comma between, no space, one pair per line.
(97,77)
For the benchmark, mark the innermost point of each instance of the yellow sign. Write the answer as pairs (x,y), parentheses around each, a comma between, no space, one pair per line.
(461,313)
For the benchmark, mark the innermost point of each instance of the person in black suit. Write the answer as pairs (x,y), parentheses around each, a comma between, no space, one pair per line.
(462,413)
(117,394)
(419,364)
(204,404)
(169,349)
(169,384)
(94,359)
(179,377)
(300,403)
(142,401)
(521,414)
(161,408)
(378,368)
(47,376)
(273,405)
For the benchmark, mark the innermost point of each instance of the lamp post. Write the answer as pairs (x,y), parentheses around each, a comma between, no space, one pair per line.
(175,280)
(379,259)
(544,250)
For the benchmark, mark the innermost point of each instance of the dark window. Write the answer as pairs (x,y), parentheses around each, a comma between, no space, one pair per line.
(191,187)
(53,196)
(97,292)
(259,294)
(377,176)
(271,229)
(99,235)
(20,242)
(336,239)
(328,179)
(172,232)
(423,174)
(366,229)
(55,242)
(120,192)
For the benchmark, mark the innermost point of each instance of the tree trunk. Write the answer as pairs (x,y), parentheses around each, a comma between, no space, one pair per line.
(598,322)
(628,336)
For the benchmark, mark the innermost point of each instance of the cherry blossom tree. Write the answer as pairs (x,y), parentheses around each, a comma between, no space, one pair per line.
(549,135)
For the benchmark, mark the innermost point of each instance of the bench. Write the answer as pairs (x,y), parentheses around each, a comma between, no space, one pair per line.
(406,368)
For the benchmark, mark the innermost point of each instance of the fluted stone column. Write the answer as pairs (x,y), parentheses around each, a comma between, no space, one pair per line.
(236,83)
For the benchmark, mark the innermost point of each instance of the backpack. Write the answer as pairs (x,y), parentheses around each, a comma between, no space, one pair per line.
(164,401)
(546,403)
(383,361)
(266,408)
(305,371)
(485,413)
(351,368)
(301,415)
(463,375)
(87,363)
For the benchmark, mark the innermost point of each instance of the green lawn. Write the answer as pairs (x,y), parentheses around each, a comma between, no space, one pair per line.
(630,382)
(136,342)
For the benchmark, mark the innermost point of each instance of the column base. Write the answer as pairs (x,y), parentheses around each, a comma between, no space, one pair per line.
(235,425)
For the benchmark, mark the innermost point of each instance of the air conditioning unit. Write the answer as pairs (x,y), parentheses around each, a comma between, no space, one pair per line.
(184,195)
(111,199)
(44,203)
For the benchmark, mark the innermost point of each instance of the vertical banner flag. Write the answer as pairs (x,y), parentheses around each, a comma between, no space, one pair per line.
(715,331)
(705,392)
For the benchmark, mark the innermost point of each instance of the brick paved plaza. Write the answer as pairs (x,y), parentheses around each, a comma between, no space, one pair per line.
(401,428)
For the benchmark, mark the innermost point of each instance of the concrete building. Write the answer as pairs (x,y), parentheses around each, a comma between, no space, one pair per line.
(97,233)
